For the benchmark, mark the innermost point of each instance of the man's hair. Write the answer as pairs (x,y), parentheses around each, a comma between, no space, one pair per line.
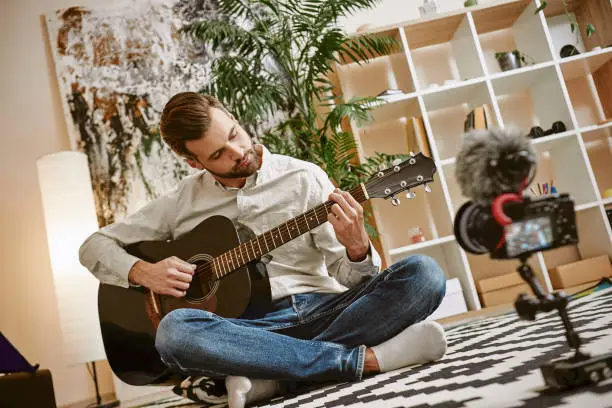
(186,116)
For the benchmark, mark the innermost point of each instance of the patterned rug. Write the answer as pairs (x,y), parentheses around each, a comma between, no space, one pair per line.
(491,362)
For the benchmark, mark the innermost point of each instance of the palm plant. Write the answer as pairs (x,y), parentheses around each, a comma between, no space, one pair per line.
(275,56)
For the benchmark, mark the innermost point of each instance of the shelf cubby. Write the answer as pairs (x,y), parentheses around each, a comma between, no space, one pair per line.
(510,26)
(448,255)
(443,51)
(388,131)
(592,233)
(425,211)
(532,98)
(447,112)
(598,145)
(589,84)
(561,161)
(596,12)
(389,72)
(482,267)
(457,199)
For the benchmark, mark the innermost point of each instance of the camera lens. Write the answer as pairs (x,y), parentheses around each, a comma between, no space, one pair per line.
(475,228)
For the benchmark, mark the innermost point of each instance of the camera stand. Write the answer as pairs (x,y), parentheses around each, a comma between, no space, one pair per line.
(581,368)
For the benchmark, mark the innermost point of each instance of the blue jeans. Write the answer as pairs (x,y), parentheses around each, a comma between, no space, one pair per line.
(306,337)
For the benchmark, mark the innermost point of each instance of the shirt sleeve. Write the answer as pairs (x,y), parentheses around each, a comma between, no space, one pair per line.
(339,266)
(102,252)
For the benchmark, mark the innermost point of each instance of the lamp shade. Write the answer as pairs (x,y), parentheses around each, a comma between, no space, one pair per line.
(70,217)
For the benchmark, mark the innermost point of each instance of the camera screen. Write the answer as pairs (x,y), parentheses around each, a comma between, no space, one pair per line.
(529,235)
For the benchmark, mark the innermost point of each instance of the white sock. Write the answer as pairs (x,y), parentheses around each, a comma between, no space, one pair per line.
(417,344)
(242,390)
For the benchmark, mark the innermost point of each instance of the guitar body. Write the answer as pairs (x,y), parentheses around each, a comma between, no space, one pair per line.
(128,332)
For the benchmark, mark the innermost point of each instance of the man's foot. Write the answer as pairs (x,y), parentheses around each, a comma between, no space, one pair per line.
(242,390)
(420,343)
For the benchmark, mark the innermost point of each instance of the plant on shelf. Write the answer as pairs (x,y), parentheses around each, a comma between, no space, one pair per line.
(574,26)
(275,58)
(513,59)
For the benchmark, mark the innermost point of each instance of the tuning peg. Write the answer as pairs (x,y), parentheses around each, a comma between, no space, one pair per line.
(411,154)
(410,194)
(427,188)
(395,201)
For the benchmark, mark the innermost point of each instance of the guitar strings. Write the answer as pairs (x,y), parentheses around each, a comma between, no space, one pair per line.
(320,210)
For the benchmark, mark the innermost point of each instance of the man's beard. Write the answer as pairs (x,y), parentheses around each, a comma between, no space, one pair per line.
(252,167)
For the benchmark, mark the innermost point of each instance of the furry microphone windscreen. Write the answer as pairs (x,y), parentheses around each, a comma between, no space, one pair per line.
(494,161)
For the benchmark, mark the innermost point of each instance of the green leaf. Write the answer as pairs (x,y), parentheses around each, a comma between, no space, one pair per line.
(573,27)
(542,7)
(590,30)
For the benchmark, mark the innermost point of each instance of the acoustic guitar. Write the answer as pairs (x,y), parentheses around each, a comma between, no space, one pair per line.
(229,280)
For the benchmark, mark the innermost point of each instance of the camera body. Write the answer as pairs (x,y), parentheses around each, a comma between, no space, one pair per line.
(538,224)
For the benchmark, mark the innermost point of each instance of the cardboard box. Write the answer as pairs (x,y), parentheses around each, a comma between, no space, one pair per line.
(501,289)
(576,273)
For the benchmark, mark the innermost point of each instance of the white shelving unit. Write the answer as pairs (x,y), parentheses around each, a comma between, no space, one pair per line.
(446,68)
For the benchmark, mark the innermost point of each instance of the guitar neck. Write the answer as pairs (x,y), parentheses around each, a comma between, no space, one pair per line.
(255,248)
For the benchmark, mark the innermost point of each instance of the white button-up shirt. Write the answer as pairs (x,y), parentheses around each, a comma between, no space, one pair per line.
(283,188)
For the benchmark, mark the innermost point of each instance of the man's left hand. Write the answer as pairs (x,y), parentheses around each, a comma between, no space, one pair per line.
(346,217)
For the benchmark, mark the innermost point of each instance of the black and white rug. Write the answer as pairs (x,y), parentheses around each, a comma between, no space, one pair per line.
(491,362)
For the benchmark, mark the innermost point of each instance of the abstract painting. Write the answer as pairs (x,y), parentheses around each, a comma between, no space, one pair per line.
(116,69)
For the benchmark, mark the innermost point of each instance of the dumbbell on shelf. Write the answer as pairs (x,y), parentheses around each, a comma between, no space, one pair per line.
(537,131)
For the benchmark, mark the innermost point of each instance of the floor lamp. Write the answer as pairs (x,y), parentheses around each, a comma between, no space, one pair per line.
(70,217)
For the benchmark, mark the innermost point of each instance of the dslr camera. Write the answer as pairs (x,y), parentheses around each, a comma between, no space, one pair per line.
(534,225)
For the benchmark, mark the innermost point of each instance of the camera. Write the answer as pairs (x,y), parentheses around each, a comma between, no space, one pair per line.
(537,224)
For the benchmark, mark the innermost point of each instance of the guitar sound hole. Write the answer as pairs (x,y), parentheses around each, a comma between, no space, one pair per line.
(201,287)
(200,290)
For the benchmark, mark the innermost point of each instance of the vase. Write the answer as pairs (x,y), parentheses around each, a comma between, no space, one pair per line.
(508,61)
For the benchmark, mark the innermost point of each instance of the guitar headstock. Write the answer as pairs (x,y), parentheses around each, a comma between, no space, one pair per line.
(417,170)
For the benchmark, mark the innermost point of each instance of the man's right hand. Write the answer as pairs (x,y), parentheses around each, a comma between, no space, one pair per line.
(170,276)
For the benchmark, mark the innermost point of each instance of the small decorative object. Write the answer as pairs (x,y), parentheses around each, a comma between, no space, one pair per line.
(417,235)
(470,3)
(568,51)
(557,127)
(512,59)
(429,7)
(390,95)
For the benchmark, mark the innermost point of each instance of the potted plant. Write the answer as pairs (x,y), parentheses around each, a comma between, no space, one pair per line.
(508,60)
(277,57)
(574,26)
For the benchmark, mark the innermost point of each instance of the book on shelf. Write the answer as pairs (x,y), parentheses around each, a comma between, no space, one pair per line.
(480,117)
(416,136)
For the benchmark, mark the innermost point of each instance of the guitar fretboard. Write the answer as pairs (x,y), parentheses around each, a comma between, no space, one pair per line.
(253,249)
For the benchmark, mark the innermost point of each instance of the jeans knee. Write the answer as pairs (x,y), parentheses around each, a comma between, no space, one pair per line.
(168,335)
(171,335)
(428,273)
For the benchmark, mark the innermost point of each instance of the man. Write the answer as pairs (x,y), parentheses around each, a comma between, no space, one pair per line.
(333,315)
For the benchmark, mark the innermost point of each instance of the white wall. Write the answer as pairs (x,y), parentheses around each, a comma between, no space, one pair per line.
(32,125)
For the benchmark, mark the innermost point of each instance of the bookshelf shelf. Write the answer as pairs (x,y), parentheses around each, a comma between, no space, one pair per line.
(555,136)
(447,69)
(421,245)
